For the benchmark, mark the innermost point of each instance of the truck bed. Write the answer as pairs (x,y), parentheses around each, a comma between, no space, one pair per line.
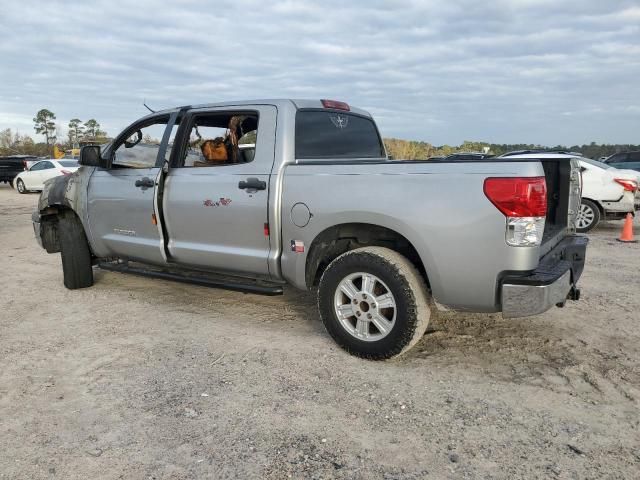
(440,205)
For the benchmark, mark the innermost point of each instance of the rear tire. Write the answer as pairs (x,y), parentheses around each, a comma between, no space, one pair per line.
(588,216)
(374,303)
(20,186)
(75,253)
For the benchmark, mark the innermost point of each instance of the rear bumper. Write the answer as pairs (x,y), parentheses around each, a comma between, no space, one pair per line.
(530,293)
(625,204)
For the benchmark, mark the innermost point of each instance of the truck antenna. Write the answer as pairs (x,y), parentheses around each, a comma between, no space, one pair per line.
(144,102)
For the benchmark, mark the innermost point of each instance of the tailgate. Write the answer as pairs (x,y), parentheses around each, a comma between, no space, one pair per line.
(563,200)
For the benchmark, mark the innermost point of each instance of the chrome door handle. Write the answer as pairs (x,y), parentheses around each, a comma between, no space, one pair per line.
(252,184)
(145,182)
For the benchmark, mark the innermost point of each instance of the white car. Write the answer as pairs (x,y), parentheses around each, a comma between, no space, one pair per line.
(40,172)
(606,191)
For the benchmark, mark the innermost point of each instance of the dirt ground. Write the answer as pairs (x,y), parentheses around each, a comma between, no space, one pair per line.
(141,378)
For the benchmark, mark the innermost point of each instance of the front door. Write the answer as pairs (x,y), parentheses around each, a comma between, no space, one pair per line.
(121,199)
(216,194)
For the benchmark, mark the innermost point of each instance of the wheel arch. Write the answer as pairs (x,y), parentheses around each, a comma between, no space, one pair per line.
(338,239)
(49,225)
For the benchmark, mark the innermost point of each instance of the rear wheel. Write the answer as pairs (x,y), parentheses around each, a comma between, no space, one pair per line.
(588,216)
(20,186)
(373,302)
(75,253)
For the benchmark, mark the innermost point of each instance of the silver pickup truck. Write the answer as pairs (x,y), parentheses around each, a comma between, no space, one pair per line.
(254,195)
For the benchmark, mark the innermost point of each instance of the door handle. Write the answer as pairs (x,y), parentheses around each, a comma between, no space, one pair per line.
(252,184)
(145,182)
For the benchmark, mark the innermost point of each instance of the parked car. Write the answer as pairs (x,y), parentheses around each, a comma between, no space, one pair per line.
(40,172)
(317,203)
(606,192)
(468,156)
(11,166)
(624,160)
(540,150)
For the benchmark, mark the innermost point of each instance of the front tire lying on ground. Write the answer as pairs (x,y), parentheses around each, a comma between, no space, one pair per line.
(373,302)
(75,253)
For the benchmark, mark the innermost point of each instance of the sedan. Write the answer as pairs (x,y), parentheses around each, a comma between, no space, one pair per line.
(40,172)
(606,191)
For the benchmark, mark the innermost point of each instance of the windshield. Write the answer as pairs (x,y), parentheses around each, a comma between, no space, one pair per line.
(596,163)
(68,163)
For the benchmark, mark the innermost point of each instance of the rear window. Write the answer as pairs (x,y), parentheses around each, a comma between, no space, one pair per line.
(336,135)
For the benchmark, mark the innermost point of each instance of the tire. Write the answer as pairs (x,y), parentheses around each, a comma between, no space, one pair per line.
(374,272)
(75,253)
(20,186)
(588,216)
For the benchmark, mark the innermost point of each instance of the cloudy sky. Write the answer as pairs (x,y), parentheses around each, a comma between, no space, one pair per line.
(539,71)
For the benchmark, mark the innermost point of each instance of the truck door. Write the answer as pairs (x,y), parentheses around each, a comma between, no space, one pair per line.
(121,198)
(215,201)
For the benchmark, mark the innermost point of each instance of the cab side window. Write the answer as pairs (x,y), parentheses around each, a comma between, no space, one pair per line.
(140,148)
(41,166)
(221,139)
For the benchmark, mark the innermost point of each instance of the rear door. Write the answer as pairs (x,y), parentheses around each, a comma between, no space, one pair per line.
(216,210)
(121,198)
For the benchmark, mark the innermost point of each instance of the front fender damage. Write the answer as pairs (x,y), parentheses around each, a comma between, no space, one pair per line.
(60,196)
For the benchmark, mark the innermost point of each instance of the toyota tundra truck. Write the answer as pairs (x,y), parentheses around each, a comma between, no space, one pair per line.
(256,195)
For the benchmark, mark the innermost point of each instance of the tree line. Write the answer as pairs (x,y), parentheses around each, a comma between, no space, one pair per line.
(416,150)
(78,132)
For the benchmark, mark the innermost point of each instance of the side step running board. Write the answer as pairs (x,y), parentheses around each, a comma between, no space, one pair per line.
(195,278)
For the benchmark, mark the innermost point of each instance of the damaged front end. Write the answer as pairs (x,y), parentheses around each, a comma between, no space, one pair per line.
(59,196)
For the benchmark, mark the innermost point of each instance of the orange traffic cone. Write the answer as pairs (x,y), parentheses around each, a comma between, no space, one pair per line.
(627,230)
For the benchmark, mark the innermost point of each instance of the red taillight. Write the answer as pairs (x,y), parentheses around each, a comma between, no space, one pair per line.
(518,196)
(65,172)
(336,105)
(628,185)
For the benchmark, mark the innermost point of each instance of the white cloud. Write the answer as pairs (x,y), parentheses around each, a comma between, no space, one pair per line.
(504,71)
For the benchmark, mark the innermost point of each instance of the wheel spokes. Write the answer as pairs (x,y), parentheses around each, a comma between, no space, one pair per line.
(385,301)
(368,282)
(345,311)
(362,328)
(348,288)
(382,324)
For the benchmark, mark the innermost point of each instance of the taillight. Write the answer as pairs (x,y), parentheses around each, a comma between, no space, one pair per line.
(336,105)
(523,200)
(518,196)
(65,172)
(628,185)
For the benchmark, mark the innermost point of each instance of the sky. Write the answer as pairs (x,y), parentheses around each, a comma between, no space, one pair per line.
(547,72)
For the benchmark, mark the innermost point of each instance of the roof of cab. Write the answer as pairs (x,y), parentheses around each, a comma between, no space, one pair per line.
(278,102)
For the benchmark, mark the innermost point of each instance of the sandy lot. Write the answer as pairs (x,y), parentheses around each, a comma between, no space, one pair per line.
(140,378)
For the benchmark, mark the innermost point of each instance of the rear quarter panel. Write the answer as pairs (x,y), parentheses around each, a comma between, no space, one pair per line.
(439,207)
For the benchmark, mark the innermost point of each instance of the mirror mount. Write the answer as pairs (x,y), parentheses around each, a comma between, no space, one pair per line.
(90,156)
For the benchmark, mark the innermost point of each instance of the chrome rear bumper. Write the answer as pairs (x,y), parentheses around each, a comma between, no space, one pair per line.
(526,300)
(555,279)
